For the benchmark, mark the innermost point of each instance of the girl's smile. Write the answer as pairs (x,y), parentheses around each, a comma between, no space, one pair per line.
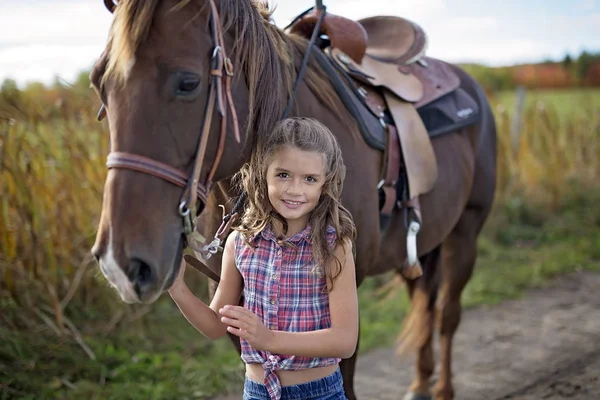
(292,204)
(295,180)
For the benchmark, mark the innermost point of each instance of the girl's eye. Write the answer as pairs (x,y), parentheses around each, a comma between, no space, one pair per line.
(311,179)
(283,175)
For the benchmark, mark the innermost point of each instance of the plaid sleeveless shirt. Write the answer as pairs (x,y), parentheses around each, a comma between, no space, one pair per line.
(283,288)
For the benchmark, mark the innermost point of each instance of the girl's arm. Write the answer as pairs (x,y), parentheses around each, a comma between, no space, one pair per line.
(337,341)
(204,318)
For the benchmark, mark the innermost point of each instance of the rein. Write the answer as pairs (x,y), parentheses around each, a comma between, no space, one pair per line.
(219,89)
(229,218)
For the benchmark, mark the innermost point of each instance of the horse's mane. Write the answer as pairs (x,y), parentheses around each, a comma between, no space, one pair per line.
(269,57)
(130,27)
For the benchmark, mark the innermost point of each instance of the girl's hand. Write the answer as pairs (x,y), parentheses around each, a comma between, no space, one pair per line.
(245,324)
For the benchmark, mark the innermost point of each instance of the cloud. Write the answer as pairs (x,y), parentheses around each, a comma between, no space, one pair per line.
(355,9)
(43,39)
(468,25)
(40,39)
(44,62)
(489,51)
(53,22)
(587,5)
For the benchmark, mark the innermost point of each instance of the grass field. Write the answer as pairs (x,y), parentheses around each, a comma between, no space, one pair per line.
(66,336)
(566,103)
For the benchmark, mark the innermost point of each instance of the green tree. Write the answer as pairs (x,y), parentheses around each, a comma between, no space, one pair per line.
(10,93)
(567,62)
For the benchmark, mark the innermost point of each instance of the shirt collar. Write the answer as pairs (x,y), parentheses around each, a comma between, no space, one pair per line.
(268,234)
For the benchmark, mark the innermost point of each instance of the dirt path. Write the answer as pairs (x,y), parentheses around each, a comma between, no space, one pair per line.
(544,346)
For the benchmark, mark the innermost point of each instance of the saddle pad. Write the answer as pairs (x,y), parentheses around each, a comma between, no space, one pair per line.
(437,77)
(453,111)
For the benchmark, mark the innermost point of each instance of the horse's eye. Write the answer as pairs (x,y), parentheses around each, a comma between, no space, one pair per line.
(187,85)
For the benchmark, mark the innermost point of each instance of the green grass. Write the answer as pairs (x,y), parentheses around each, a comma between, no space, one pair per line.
(157,357)
(542,225)
(568,104)
(523,245)
(161,356)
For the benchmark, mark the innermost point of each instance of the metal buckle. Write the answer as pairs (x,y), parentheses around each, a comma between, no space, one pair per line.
(212,248)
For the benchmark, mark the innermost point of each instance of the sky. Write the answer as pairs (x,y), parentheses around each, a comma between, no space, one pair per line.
(44,39)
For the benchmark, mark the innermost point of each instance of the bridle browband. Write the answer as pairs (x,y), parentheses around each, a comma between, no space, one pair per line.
(219,89)
(218,84)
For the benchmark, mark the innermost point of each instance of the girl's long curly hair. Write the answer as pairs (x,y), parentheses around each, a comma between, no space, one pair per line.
(308,135)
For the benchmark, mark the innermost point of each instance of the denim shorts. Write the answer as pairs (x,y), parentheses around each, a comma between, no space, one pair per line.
(328,388)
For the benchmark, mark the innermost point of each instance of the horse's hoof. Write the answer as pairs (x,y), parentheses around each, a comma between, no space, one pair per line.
(416,396)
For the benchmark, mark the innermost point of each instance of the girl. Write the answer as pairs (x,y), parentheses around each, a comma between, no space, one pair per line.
(291,257)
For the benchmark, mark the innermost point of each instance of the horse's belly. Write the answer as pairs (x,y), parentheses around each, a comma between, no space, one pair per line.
(440,208)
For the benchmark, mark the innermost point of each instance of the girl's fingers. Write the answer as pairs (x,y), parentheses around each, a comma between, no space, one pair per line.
(236,323)
(237,332)
(230,321)
(238,309)
(237,314)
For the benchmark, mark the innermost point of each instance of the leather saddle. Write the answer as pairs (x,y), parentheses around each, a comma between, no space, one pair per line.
(383,61)
(383,51)
(384,57)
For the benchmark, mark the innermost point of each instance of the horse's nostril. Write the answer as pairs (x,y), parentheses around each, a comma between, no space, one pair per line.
(140,274)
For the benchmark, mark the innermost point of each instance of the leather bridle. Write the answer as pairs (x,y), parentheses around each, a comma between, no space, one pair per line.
(219,89)
(219,84)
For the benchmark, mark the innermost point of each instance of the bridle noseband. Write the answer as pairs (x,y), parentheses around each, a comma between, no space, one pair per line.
(219,88)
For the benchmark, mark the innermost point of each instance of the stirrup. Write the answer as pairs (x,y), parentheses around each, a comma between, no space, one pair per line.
(412,269)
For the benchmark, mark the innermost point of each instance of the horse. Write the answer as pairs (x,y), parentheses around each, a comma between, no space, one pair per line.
(189,85)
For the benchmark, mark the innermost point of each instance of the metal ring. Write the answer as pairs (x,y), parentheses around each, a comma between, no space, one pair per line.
(184,211)
(228,66)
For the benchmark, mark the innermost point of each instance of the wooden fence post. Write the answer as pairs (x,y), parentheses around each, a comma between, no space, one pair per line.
(515,130)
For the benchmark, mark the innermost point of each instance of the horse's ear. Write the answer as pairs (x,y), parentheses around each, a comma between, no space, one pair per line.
(110,5)
(101,113)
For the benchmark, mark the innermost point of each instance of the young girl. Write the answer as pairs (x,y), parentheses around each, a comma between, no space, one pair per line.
(291,257)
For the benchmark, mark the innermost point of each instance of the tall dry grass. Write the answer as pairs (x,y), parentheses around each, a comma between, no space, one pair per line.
(558,145)
(51,179)
(52,174)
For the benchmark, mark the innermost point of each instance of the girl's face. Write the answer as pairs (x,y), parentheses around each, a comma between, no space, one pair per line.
(295,180)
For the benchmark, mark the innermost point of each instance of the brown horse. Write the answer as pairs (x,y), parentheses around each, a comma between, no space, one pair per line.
(162,81)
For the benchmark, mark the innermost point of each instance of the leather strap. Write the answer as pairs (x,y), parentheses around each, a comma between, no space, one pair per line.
(152,167)
(414,205)
(202,268)
(392,171)
(219,92)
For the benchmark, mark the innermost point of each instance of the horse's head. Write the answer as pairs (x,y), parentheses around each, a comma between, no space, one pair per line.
(168,89)
(169,78)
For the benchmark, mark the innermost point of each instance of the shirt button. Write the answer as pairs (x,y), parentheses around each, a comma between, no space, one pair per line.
(273,301)
(278,252)
(273,327)
(275,277)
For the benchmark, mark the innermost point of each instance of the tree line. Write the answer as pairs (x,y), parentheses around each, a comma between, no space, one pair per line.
(37,101)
